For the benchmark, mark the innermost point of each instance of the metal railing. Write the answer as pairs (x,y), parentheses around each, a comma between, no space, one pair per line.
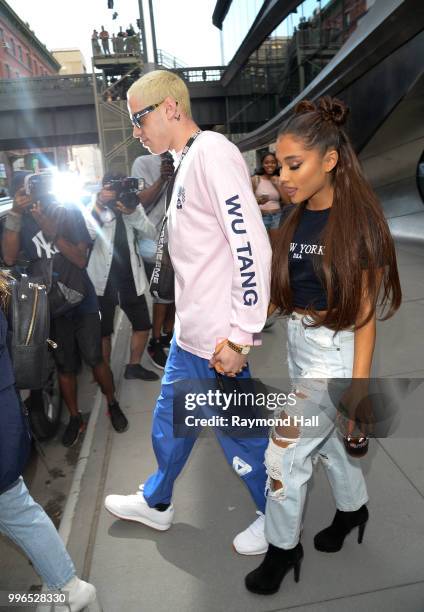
(169,61)
(49,83)
(201,74)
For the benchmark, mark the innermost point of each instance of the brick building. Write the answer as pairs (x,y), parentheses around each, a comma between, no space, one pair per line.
(21,53)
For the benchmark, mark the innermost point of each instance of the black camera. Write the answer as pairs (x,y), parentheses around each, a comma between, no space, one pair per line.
(126,190)
(38,186)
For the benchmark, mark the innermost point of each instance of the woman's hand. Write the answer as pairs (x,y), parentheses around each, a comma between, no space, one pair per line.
(262,199)
(356,407)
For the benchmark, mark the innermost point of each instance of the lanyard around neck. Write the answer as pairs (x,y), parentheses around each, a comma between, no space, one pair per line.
(174,176)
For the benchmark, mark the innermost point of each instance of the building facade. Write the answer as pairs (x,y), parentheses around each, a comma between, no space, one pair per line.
(21,53)
(71,61)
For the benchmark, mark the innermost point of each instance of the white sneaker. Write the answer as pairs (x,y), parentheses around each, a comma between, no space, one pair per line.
(135,508)
(252,540)
(81,594)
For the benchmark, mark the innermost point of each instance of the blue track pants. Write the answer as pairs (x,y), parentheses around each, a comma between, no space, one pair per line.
(245,455)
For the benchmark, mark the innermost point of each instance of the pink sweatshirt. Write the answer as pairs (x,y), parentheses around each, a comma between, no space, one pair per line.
(219,249)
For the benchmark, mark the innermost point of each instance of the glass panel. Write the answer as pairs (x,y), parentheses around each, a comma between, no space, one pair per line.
(237,23)
(420,176)
(289,59)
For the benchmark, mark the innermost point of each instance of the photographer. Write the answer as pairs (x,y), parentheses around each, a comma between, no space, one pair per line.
(156,172)
(115,268)
(42,229)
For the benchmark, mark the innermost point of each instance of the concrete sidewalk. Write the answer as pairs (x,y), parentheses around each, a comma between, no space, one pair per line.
(193,568)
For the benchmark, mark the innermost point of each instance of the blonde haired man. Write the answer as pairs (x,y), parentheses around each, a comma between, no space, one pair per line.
(221,256)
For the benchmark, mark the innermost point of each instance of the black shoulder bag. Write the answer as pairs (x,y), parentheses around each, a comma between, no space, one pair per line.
(162,281)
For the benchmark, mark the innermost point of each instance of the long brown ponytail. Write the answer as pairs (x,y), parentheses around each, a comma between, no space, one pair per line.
(356,237)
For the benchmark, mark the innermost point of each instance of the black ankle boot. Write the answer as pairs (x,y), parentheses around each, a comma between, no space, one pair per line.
(331,539)
(266,579)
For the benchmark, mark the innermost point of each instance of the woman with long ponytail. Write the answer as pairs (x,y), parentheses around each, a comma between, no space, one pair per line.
(333,272)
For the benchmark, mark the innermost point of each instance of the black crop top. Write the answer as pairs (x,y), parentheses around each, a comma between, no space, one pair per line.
(307,288)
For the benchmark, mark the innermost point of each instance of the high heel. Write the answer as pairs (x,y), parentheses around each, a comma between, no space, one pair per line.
(361,532)
(331,539)
(267,578)
(297,567)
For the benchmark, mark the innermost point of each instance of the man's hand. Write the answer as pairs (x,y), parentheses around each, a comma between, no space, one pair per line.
(104,196)
(46,223)
(166,169)
(226,361)
(21,201)
(123,209)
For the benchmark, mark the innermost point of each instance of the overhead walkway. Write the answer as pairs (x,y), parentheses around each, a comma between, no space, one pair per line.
(192,567)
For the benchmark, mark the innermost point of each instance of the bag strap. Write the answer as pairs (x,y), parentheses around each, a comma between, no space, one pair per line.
(148,209)
(171,183)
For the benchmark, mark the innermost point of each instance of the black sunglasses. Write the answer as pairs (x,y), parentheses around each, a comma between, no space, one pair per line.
(136,117)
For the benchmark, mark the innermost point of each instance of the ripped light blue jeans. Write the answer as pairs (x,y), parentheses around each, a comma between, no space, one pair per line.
(26,523)
(314,356)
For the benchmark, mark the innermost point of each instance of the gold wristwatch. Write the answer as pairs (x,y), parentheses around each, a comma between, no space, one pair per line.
(242,349)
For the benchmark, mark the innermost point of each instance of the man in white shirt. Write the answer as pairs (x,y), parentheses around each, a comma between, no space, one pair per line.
(117,272)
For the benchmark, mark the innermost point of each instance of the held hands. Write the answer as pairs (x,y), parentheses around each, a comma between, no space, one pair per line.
(226,361)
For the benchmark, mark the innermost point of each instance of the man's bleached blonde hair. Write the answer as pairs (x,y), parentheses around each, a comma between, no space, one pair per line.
(155,86)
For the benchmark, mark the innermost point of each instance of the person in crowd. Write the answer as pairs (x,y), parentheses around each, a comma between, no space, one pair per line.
(213,219)
(120,41)
(34,228)
(117,272)
(269,192)
(95,43)
(104,37)
(333,258)
(115,43)
(21,518)
(130,30)
(156,172)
